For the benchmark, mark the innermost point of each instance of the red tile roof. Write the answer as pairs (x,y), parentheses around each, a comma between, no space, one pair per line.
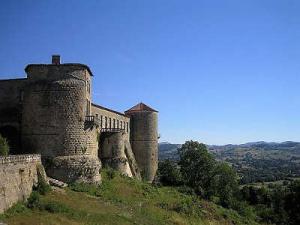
(140,107)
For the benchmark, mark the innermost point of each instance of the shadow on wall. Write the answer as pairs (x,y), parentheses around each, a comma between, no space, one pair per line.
(13,137)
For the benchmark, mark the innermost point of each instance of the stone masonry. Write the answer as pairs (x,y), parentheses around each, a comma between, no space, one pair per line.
(51,113)
(19,173)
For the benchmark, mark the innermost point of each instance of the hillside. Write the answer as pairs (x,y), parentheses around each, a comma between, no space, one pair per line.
(120,200)
(255,162)
(167,150)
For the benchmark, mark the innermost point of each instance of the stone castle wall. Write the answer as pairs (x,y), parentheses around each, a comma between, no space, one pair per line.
(18,175)
(10,111)
(111,119)
(50,113)
(57,127)
(10,98)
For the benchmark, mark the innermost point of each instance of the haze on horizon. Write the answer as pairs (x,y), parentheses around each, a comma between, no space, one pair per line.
(217,71)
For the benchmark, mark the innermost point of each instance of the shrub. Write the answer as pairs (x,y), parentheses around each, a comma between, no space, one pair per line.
(109,173)
(34,200)
(15,209)
(169,173)
(55,207)
(186,190)
(91,189)
(4,147)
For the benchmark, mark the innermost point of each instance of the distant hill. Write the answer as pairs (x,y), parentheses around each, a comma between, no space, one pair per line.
(254,161)
(287,145)
(168,151)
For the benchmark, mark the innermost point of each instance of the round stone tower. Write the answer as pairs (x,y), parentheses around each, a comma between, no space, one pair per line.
(56,120)
(144,139)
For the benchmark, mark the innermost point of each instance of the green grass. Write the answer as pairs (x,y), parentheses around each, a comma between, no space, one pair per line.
(121,200)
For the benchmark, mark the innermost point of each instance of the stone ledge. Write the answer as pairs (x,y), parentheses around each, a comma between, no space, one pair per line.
(20,158)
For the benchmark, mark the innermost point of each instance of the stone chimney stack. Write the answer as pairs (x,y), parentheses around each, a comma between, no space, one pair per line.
(55,59)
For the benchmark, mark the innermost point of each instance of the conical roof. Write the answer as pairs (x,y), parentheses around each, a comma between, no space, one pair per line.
(140,107)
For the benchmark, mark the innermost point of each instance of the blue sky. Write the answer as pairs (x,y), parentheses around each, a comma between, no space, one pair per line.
(218,71)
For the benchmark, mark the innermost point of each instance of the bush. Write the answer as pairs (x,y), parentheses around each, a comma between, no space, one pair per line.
(169,173)
(55,207)
(91,189)
(4,147)
(186,190)
(34,200)
(19,207)
(109,173)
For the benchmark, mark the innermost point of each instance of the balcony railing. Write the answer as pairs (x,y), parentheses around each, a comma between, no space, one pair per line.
(92,120)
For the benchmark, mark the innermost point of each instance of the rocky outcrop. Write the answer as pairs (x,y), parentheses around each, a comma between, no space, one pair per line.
(75,168)
(116,153)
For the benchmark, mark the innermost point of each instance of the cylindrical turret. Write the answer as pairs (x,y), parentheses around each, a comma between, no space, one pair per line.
(144,139)
(56,105)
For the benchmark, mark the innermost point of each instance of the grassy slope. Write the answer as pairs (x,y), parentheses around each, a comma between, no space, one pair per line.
(122,200)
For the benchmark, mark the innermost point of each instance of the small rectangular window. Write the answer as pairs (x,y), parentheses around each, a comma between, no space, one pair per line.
(88,109)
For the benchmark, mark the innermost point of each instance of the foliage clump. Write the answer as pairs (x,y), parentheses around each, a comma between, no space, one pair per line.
(169,173)
(197,170)
(4,147)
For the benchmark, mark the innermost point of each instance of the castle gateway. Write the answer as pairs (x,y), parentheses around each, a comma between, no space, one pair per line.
(51,113)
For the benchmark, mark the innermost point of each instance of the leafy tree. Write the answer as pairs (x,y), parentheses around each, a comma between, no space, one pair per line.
(197,167)
(4,148)
(169,173)
(226,184)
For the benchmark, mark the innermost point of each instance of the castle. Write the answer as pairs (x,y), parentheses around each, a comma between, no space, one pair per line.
(51,113)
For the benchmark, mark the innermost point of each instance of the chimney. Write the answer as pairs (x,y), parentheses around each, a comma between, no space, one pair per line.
(55,59)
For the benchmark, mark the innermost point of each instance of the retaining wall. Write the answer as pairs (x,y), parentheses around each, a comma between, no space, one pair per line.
(18,174)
